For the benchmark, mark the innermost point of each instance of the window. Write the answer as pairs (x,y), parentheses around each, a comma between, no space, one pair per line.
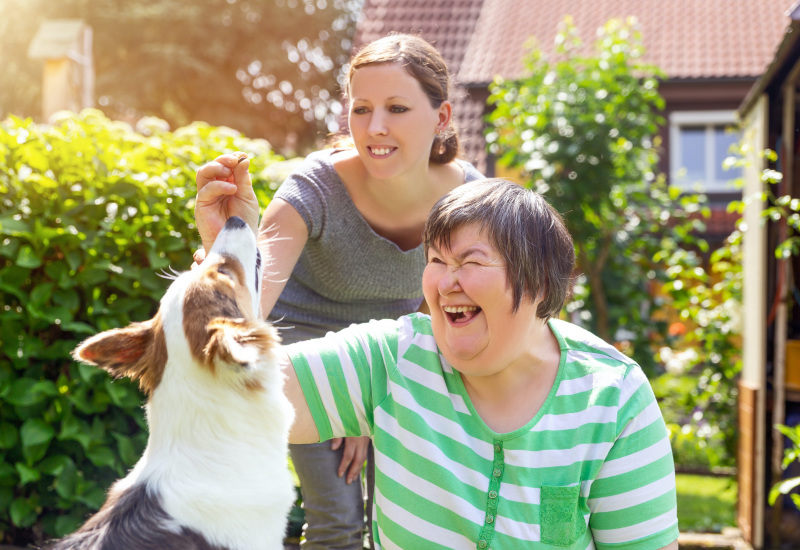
(699,142)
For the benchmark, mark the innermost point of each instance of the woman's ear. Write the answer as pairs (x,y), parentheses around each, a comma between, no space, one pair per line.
(445,116)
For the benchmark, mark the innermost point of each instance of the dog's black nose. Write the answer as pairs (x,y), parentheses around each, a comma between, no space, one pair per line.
(235,222)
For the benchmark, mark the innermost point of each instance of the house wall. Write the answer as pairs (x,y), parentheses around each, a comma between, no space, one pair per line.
(699,95)
(679,95)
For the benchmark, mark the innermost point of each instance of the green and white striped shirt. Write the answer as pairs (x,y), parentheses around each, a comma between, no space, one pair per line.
(593,468)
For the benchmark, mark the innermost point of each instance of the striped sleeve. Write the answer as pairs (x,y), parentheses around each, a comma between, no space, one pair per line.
(632,500)
(343,374)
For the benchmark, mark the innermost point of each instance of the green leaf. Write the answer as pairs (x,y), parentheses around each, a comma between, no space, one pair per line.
(35,435)
(26,391)
(93,498)
(16,291)
(27,474)
(41,293)
(28,258)
(68,522)
(66,481)
(122,393)
(74,259)
(6,496)
(8,435)
(127,452)
(23,514)
(91,277)
(79,327)
(54,465)
(783,488)
(8,475)
(9,249)
(101,456)
(89,372)
(76,430)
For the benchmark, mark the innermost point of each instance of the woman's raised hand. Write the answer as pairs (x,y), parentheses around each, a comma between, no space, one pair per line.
(224,189)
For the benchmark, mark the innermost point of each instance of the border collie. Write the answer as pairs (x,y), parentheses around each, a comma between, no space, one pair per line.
(214,475)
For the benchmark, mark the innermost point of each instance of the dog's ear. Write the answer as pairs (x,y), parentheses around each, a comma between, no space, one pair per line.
(138,351)
(238,341)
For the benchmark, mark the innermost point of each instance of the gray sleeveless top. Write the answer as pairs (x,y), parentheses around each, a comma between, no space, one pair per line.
(346,273)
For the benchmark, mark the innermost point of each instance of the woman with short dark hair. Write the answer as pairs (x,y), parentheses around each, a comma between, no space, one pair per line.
(494,424)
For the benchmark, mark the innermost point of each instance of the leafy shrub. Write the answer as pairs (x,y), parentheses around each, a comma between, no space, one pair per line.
(91,211)
(582,130)
(790,455)
(703,354)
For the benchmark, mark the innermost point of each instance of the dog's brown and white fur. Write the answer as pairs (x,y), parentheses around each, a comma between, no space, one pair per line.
(214,474)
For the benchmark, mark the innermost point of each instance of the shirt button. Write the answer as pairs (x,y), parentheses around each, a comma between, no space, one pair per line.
(497,448)
(489,518)
(497,472)
(492,494)
(482,544)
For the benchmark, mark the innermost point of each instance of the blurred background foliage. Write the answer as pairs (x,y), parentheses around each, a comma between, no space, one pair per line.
(269,68)
(582,129)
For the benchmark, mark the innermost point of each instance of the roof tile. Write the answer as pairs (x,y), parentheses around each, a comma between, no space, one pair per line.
(685,38)
(479,39)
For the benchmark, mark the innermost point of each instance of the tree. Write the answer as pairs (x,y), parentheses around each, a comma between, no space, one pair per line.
(583,131)
(268,68)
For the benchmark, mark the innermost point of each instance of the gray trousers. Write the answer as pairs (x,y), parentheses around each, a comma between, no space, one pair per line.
(334,510)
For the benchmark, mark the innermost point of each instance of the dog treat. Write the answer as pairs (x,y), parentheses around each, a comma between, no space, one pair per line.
(241,156)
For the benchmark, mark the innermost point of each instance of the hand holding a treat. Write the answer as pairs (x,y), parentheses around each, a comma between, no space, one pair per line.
(224,189)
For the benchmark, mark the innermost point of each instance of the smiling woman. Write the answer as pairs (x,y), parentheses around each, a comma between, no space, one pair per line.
(491,329)
(365,199)
(494,424)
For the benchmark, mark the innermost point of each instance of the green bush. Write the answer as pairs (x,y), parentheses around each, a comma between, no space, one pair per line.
(582,130)
(790,455)
(91,211)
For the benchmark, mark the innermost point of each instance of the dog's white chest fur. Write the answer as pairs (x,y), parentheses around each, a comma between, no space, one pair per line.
(214,449)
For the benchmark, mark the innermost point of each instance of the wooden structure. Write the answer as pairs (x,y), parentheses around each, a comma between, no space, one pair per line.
(65,45)
(769,116)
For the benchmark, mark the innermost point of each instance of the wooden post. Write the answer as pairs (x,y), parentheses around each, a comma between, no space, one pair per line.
(65,45)
(754,345)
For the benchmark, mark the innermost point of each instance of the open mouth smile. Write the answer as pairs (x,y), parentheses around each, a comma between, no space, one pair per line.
(381,151)
(459,315)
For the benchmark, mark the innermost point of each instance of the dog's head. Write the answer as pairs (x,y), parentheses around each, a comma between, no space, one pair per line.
(209,317)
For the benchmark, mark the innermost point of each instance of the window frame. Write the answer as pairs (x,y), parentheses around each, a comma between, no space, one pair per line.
(709,120)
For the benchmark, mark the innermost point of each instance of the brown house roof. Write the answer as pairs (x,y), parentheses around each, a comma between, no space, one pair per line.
(690,40)
(447,24)
(694,39)
(685,38)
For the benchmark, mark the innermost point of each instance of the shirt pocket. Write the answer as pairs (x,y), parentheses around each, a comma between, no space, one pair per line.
(561,523)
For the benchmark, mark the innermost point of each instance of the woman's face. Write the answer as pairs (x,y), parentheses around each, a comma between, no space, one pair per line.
(471,303)
(391,120)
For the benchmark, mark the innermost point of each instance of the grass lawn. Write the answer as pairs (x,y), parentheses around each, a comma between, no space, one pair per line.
(706,504)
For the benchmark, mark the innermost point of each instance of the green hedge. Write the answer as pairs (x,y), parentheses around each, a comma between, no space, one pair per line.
(91,211)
